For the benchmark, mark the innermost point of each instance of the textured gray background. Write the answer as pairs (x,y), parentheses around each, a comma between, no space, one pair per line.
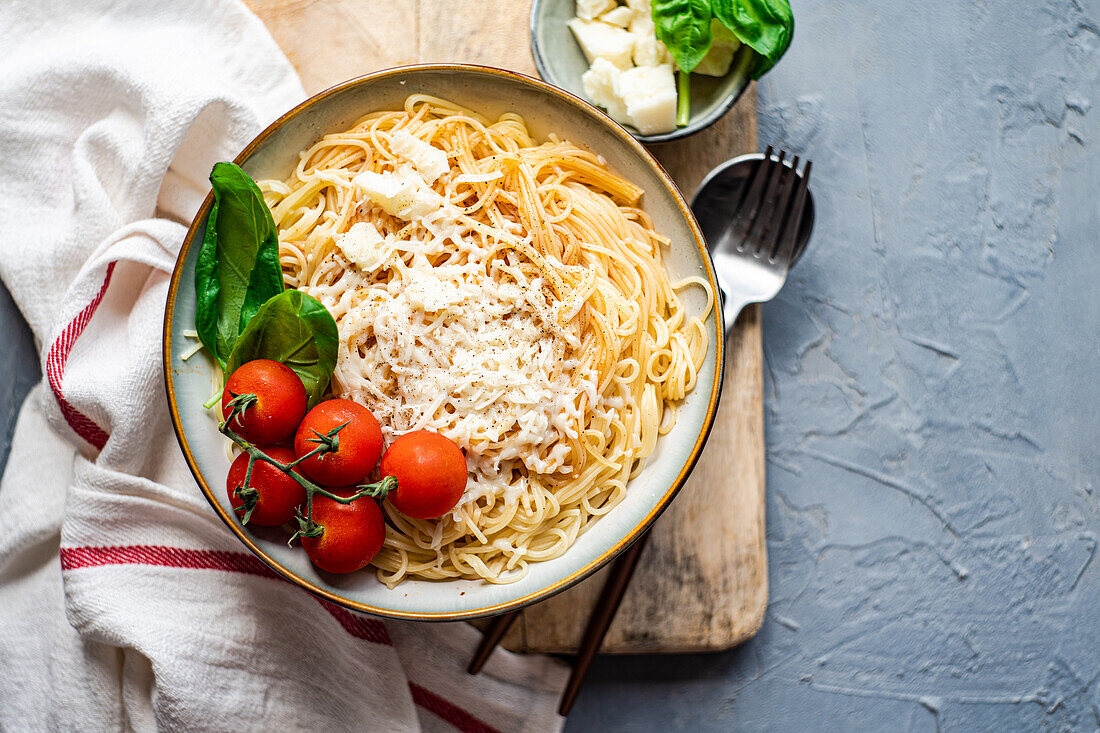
(932,406)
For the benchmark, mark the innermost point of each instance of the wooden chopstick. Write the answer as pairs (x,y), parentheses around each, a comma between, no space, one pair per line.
(600,620)
(603,613)
(496,631)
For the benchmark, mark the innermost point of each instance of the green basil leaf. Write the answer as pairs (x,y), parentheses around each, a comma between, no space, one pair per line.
(207,289)
(766,26)
(295,329)
(683,26)
(238,264)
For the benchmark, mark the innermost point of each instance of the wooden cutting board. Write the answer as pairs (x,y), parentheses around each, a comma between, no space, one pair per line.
(702,583)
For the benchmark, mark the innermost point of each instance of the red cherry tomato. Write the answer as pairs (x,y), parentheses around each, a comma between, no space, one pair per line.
(430,471)
(359,443)
(280,401)
(353,533)
(277,495)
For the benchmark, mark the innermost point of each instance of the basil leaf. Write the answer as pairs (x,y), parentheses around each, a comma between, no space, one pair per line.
(295,329)
(238,264)
(683,26)
(766,26)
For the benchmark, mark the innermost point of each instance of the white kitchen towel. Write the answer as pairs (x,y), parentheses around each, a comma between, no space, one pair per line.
(124,603)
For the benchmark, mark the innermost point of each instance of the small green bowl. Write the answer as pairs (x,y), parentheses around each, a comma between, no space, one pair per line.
(561,62)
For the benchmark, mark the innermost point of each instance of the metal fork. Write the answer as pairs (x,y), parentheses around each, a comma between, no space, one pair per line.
(756,213)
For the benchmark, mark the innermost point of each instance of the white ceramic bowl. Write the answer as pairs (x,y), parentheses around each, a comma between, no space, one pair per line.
(546,109)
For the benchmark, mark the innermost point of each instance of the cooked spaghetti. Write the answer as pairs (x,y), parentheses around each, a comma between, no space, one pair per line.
(508,294)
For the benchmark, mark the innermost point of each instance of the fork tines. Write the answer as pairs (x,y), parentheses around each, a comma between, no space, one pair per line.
(769,214)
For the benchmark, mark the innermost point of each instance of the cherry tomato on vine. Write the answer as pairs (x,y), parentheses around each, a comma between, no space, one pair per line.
(358,448)
(430,471)
(280,401)
(277,494)
(353,533)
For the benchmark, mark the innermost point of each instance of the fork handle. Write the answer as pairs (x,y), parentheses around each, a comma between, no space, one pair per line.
(732,305)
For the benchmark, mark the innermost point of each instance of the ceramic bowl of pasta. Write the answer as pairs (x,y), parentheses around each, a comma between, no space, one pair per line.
(505,267)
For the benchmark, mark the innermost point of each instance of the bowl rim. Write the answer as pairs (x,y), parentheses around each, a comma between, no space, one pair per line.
(693,126)
(562,583)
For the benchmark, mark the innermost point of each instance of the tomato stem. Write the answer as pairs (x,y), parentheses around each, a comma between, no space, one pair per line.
(239,403)
(248,472)
(326,443)
(306,526)
(330,441)
(249,496)
(378,490)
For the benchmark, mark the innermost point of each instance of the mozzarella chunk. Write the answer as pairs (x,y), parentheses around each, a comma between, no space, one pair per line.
(364,246)
(430,162)
(642,20)
(720,54)
(600,40)
(630,72)
(620,16)
(649,93)
(601,84)
(716,62)
(648,51)
(402,193)
(592,9)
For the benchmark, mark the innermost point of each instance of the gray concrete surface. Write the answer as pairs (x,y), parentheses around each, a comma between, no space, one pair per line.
(933,404)
(933,408)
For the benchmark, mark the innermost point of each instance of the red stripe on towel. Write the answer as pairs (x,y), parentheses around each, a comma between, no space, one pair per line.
(368,629)
(58,355)
(358,626)
(72,558)
(448,711)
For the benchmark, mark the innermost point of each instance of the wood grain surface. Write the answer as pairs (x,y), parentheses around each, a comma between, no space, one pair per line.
(702,582)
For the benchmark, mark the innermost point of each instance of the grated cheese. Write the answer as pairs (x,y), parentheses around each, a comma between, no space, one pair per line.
(462,344)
